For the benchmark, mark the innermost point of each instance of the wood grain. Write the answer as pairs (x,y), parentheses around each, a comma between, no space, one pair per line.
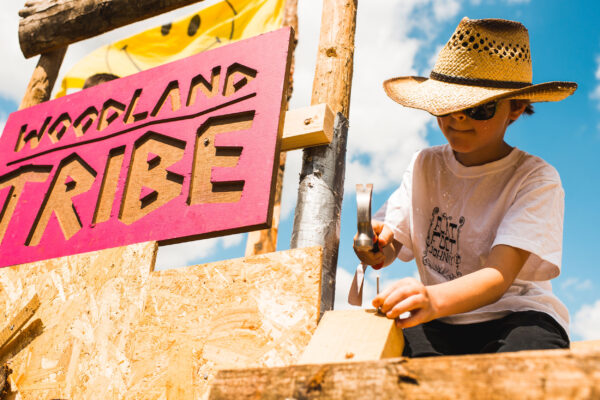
(543,375)
(353,335)
(50,24)
(306,127)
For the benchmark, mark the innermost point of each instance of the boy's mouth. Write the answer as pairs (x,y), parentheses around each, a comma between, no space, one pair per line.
(455,130)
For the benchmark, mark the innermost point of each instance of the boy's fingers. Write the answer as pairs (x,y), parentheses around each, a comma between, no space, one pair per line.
(385,237)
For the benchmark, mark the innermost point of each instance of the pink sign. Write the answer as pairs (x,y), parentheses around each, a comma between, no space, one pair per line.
(183,151)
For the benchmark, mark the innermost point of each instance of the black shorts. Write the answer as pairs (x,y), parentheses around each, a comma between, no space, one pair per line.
(524,330)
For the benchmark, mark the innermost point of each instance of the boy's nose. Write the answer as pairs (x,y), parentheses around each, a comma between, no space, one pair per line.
(459,115)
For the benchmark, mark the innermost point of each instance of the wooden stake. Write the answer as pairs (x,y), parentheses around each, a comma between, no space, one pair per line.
(321,190)
(19,320)
(43,78)
(265,241)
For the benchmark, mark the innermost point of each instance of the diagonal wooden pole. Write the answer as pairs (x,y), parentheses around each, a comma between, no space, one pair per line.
(319,204)
(265,241)
(43,78)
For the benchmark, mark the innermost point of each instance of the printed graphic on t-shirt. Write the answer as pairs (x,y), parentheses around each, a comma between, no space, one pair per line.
(442,252)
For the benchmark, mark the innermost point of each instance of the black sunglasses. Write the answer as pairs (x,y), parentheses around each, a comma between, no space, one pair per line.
(480,113)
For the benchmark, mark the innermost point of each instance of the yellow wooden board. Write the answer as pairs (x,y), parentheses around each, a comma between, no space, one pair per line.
(108,327)
(353,335)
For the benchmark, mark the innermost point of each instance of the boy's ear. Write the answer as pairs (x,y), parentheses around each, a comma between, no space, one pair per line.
(517,107)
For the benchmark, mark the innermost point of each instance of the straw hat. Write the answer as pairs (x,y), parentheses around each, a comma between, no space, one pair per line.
(484,60)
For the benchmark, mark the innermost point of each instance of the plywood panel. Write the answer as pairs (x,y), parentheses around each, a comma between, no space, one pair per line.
(247,312)
(108,327)
(90,304)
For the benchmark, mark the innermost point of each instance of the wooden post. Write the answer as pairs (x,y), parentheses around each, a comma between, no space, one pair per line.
(318,209)
(43,78)
(51,24)
(265,241)
(540,374)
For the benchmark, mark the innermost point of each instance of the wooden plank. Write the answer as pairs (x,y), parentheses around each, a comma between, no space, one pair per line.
(43,79)
(50,24)
(543,375)
(19,320)
(353,335)
(113,162)
(306,127)
(241,313)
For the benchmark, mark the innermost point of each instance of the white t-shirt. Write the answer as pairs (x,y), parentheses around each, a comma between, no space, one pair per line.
(450,216)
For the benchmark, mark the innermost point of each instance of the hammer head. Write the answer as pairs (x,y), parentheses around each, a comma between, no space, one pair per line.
(364,241)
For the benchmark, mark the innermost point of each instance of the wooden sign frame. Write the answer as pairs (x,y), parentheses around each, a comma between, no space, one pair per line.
(183,151)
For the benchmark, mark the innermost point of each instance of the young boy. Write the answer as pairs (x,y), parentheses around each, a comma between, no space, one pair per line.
(483,219)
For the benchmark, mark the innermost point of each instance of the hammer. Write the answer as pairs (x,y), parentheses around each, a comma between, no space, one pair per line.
(364,241)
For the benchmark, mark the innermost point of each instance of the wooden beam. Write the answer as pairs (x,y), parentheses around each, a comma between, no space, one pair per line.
(353,335)
(43,78)
(542,374)
(321,190)
(306,127)
(47,25)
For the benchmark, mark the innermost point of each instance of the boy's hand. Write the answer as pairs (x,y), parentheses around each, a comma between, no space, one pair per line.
(383,237)
(407,294)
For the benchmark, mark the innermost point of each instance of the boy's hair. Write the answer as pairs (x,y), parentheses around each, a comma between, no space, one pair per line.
(528,109)
(97,79)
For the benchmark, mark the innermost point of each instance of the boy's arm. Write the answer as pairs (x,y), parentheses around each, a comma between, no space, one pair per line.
(463,294)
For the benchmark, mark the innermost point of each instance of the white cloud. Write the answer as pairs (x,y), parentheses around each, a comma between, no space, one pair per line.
(232,240)
(573,284)
(192,253)
(15,70)
(596,93)
(2,122)
(586,322)
(383,135)
(343,281)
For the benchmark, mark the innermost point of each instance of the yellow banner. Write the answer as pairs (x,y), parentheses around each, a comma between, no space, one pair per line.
(214,26)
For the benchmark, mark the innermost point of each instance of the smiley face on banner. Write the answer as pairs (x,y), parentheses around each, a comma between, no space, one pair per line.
(211,27)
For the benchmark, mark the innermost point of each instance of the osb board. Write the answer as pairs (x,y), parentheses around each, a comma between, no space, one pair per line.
(247,312)
(108,327)
(90,304)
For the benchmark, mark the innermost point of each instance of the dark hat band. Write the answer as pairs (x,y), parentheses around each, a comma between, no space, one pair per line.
(478,82)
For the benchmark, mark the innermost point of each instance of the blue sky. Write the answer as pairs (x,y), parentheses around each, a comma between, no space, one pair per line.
(396,38)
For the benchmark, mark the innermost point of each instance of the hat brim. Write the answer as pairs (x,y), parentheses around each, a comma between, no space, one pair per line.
(440,98)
